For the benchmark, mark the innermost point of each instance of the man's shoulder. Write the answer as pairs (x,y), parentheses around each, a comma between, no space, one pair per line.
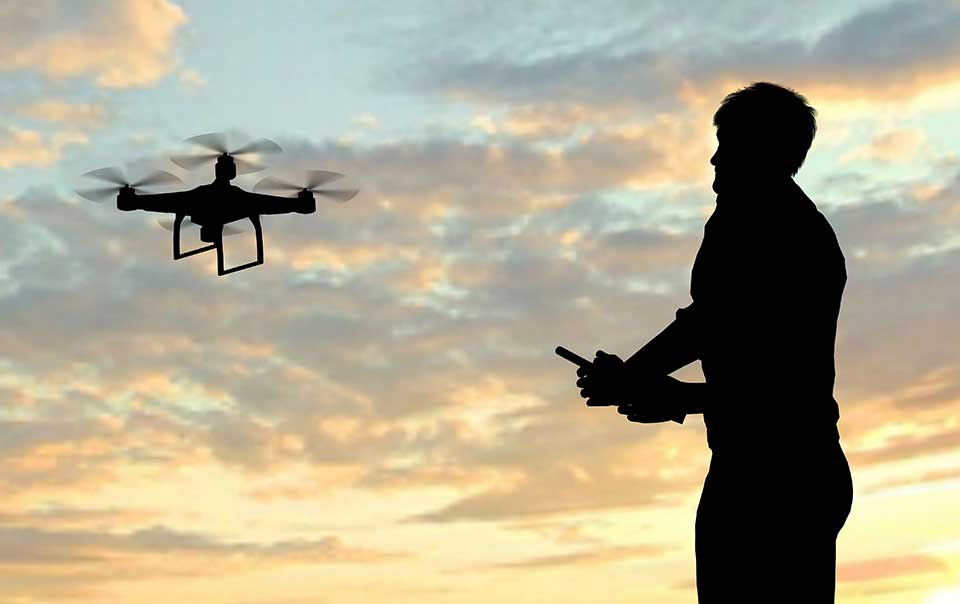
(815,239)
(809,217)
(821,228)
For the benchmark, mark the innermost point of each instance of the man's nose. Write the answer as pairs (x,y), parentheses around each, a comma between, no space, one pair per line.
(713,160)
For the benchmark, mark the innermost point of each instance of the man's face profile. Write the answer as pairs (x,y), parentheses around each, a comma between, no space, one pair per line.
(742,159)
(715,161)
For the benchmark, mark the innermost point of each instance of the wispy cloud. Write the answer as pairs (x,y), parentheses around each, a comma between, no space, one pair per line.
(31,148)
(892,51)
(117,44)
(891,567)
(593,556)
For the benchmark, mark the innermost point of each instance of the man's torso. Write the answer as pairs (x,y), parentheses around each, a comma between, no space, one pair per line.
(767,284)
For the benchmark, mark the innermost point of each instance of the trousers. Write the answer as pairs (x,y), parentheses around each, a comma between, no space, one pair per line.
(767,525)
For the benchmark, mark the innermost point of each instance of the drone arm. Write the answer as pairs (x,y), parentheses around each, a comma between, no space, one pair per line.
(276,204)
(177,201)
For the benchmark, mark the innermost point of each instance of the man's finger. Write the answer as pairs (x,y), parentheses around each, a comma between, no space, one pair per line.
(598,402)
(582,371)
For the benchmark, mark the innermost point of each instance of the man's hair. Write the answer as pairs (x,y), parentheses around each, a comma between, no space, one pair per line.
(780,115)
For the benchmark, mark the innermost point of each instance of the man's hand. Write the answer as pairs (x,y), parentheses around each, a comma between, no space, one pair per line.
(603,382)
(661,401)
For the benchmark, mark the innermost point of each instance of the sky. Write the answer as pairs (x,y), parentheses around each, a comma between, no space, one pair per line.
(376,414)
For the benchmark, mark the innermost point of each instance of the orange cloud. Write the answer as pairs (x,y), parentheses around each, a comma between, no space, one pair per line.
(119,44)
(896,51)
(572,488)
(593,556)
(78,115)
(888,147)
(889,567)
(42,561)
(20,147)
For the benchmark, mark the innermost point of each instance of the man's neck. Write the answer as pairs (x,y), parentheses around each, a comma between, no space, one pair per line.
(756,193)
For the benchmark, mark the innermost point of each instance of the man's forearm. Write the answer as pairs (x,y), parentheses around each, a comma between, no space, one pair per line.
(671,349)
(668,400)
(695,397)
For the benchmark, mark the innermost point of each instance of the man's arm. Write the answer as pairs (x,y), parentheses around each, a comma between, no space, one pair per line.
(666,399)
(695,396)
(674,347)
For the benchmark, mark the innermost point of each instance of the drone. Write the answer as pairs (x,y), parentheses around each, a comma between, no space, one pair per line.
(214,206)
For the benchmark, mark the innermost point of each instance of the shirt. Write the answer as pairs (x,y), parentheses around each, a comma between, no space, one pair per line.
(766,287)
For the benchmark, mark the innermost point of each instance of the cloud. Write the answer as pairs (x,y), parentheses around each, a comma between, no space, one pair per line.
(905,446)
(60,111)
(933,476)
(265,396)
(50,455)
(398,349)
(418,354)
(592,556)
(367,121)
(888,147)
(424,476)
(891,567)
(892,51)
(77,562)
(55,456)
(118,44)
(57,517)
(574,487)
(192,78)
(20,147)
(900,244)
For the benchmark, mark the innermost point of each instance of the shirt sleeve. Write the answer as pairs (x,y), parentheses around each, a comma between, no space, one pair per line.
(687,314)
(686,319)
(688,325)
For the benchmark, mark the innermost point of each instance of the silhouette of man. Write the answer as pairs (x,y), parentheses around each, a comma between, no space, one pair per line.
(765,287)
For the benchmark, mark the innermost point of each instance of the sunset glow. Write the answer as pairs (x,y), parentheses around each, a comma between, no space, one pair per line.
(376,415)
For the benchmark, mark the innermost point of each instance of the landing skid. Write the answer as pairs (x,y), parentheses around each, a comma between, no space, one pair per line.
(218,245)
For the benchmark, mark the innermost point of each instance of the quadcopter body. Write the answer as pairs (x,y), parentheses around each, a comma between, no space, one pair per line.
(214,206)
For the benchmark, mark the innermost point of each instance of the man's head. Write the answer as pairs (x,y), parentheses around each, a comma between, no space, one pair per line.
(763,134)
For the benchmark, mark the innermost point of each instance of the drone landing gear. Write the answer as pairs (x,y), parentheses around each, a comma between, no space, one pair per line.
(218,245)
(177,254)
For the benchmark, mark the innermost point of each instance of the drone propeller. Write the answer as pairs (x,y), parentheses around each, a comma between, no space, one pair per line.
(315,178)
(116,177)
(216,142)
(228,229)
